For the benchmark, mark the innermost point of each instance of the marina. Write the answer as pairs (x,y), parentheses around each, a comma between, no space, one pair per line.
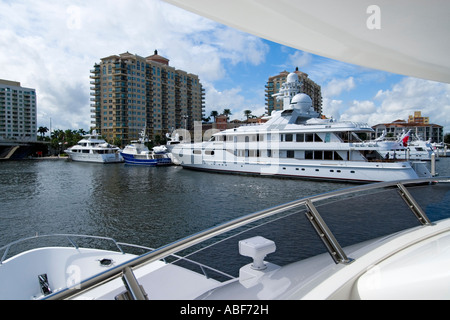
(191,235)
(135,204)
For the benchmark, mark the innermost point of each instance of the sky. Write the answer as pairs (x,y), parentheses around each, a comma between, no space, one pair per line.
(51,46)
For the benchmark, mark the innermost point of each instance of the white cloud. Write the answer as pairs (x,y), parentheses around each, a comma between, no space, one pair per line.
(52,45)
(411,94)
(230,99)
(404,97)
(336,86)
(359,111)
(300,59)
(331,108)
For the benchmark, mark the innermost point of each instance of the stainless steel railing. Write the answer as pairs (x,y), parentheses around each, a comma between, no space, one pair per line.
(334,249)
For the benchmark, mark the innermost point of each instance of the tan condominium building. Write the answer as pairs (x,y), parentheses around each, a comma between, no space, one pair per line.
(130,93)
(308,87)
(17,112)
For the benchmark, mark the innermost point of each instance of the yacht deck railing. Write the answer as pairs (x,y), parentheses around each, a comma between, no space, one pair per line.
(334,249)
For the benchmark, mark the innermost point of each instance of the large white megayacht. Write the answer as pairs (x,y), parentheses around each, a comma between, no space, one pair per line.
(296,142)
(93,148)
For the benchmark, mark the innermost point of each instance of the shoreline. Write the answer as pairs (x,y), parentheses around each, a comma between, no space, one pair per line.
(49,158)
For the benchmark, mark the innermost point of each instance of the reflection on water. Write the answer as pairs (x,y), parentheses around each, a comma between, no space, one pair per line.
(134,204)
(145,205)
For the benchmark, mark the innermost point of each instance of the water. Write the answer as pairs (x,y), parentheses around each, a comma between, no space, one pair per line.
(133,204)
(143,205)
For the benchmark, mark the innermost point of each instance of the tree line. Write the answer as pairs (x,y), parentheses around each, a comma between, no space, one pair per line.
(61,139)
(227,112)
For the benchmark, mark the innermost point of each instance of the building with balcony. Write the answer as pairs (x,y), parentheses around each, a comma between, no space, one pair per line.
(419,126)
(308,87)
(130,92)
(17,112)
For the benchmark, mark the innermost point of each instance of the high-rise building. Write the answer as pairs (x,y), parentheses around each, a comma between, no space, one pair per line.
(17,112)
(130,92)
(309,87)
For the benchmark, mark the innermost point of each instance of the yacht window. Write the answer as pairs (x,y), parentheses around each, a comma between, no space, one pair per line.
(269,153)
(300,137)
(309,137)
(209,152)
(317,138)
(197,151)
(337,156)
(328,155)
(289,137)
(318,155)
(308,154)
(290,153)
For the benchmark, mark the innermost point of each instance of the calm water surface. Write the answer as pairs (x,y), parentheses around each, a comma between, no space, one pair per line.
(142,205)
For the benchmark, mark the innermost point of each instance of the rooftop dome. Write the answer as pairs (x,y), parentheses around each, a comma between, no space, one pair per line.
(292,77)
(302,101)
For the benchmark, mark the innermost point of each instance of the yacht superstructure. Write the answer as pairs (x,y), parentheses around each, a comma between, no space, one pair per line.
(296,142)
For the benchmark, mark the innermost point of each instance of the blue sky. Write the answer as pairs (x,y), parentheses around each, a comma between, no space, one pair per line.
(51,45)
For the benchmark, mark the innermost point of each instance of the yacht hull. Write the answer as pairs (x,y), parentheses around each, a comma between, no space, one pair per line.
(355,171)
(145,160)
(96,158)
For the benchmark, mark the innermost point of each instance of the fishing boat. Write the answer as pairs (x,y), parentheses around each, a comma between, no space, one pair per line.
(93,148)
(296,142)
(138,153)
(400,254)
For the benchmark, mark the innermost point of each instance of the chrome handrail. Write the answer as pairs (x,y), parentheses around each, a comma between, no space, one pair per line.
(69,238)
(187,242)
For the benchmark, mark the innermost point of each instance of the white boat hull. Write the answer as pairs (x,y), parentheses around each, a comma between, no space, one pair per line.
(97,158)
(357,171)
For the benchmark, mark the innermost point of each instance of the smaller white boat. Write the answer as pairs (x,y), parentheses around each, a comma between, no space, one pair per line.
(93,148)
(138,153)
(406,147)
(440,149)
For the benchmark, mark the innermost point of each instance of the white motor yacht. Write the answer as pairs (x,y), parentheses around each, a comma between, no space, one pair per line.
(93,148)
(296,142)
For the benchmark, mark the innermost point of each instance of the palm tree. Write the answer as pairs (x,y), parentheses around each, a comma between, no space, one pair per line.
(247,114)
(228,113)
(42,131)
(214,114)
